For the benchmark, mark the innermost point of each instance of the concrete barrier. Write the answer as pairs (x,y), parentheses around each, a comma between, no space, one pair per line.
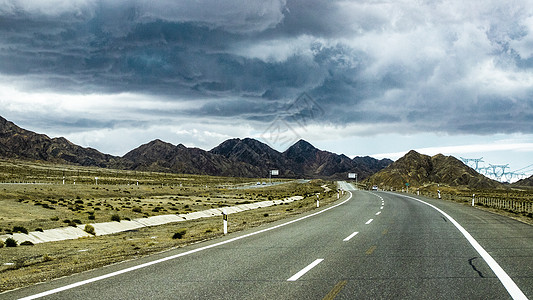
(69,233)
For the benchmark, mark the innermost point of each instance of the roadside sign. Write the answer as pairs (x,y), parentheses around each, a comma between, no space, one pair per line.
(351,175)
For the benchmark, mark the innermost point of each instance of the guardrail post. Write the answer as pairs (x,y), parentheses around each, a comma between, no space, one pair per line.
(225,220)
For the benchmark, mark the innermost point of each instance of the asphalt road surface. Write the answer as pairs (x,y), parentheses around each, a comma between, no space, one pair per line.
(370,245)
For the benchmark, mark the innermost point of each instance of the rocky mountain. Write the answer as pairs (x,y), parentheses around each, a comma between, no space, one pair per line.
(526,182)
(300,160)
(366,165)
(303,158)
(161,156)
(256,153)
(235,157)
(19,143)
(419,169)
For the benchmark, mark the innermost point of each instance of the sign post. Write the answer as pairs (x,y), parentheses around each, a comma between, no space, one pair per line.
(407,185)
(225,220)
(317,199)
(273,173)
(352,176)
(96,179)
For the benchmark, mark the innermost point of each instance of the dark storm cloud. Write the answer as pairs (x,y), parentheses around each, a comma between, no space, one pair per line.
(439,66)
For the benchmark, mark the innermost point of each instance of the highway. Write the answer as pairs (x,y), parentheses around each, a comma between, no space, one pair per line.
(369,245)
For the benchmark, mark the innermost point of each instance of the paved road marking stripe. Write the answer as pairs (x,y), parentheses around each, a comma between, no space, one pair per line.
(350,236)
(336,289)
(505,279)
(305,270)
(377,214)
(105,276)
(381,207)
(369,221)
(371,250)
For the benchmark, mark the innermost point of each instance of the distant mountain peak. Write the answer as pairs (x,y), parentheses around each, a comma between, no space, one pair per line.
(419,169)
(245,157)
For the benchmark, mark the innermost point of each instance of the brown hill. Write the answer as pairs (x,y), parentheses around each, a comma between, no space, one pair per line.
(309,161)
(419,169)
(256,153)
(161,156)
(234,157)
(19,143)
(300,160)
(526,182)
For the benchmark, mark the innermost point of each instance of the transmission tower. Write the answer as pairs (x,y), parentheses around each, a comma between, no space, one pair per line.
(472,162)
(495,172)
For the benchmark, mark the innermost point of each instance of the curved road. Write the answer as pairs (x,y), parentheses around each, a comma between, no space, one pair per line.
(370,245)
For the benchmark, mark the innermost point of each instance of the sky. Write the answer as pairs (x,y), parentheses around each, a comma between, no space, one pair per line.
(367,77)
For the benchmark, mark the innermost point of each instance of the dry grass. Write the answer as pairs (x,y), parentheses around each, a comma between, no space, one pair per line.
(25,265)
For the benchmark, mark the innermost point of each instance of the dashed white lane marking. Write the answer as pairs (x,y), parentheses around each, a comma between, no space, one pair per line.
(305,270)
(369,221)
(144,265)
(381,207)
(377,214)
(505,279)
(350,236)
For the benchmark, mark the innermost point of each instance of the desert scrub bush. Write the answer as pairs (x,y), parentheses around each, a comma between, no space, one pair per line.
(115,218)
(1,244)
(179,233)
(20,229)
(46,258)
(26,243)
(89,229)
(10,242)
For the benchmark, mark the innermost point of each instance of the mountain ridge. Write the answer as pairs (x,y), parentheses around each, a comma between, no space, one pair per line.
(419,170)
(234,157)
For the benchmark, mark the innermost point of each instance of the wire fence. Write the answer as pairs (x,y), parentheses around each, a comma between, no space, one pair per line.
(510,205)
(523,205)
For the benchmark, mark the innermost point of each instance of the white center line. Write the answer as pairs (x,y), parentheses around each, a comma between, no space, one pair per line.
(350,236)
(305,270)
(369,221)
(377,214)
(381,207)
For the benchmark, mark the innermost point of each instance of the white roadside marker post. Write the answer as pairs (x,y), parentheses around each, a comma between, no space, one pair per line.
(317,200)
(225,218)
(473,197)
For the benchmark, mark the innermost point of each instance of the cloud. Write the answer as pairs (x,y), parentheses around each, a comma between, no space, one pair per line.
(453,67)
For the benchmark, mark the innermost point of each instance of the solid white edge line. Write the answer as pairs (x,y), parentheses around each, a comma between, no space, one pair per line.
(505,279)
(84,282)
(369,221)
(350,236)
(305,270)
